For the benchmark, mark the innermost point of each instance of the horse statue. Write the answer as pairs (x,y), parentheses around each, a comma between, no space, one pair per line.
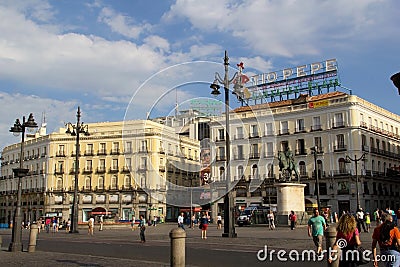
(287,165)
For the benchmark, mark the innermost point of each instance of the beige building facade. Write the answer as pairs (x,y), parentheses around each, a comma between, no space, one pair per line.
(125,169)
(340,125)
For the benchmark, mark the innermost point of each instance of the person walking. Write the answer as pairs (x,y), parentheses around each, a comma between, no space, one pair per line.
(377,218)
(360,215)
(47,224)
(316,226)
(219,221)
(68,228)
(142,227)
(388,238)
(90,226)
(271,220)
(101,221)
(180,221)
(204,225)
(293,220)
(346,230)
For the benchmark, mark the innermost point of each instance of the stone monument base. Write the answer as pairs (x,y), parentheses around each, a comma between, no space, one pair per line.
(290,196)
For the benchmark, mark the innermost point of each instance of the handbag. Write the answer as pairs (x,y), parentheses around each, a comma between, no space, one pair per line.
(201,226)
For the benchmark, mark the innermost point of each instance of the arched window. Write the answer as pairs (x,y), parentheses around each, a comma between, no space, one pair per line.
(87,183)
(127,183)
(114,182)
(59,184)
(254,172)
(100,184)
(221,173)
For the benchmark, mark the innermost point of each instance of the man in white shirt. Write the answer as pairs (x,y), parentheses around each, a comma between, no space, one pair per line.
(361,220)
(180,221)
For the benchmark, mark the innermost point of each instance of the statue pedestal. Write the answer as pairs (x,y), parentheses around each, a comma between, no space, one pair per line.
(290,196)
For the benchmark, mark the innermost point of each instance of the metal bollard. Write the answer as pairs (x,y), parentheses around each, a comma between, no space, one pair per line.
(32,237)
(177,237)
(330,236)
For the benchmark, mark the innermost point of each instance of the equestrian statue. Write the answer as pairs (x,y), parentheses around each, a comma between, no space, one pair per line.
(287,165)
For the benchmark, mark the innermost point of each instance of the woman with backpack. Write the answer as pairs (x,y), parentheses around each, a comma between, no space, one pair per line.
(388,238)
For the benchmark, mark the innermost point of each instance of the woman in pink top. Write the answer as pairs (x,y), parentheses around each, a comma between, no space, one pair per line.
(347,239)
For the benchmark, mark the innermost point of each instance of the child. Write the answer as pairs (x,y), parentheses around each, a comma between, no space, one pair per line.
(368,221)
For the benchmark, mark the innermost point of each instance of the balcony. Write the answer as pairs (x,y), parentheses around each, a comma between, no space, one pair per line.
(101,152)
(338,124)
(254,135)
(142,167)
(89,153)
(268,154)
(340,148)
(101,169)
(126,169)
(300,130)
(284,131)
(269,133)
(300,152)
(115,151)
(238,136)
(87,170)
(316,128)
(58,171)
(254,155)
(238,157)
(143,150)
(60,154)
(341,172)
(220,139)
(114,169)
(220,158)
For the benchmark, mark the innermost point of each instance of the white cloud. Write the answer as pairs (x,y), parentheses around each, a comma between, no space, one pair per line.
(288,28)
(121,24)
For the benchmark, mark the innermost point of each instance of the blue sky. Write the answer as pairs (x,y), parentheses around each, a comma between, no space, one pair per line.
(110,57)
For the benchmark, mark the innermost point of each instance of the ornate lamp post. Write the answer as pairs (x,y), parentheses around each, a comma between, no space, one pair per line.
(314,149)
(396,80)
(229,216)
(76,130)
(356,160)
(16,237)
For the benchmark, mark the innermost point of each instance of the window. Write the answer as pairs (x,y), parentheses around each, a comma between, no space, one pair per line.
(221,153)
(128,147)
(240,172)
(318,143)
(284,127)
(254,151)
(316,124)
(87,183)
(88,165)
(127,183)
(115,148)
(300,125)
(102,150)
(114,164)
(221,134)
(114,182)
(269,130)
(239,133)
(338,122)
(302,168)
(143,146)
(240,152)
(342,166)
(221,173)
(61,151)
(254,131)
(269,149)
(89,149)
(340,141)
(59,185)
(128,163)
(300,147)
(100,184)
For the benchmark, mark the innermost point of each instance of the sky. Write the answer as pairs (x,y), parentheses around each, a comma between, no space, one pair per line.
(123,59)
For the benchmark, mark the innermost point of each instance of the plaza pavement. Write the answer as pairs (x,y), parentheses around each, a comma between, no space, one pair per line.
(112,247)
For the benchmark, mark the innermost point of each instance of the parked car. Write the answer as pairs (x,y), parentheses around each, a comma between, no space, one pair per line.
(248,215)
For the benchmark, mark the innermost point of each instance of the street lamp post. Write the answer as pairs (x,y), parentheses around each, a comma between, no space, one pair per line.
(76,130)
(356,160)
(229,216)
(16,237)
(315,150)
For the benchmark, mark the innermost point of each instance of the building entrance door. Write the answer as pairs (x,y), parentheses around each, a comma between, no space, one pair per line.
(343,206)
